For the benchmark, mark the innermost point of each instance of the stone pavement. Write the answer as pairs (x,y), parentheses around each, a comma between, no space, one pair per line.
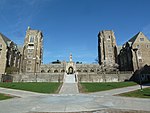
(35,102)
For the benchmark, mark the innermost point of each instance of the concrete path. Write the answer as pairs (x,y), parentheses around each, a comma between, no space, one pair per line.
(19,93)
(69,88)
(36,102)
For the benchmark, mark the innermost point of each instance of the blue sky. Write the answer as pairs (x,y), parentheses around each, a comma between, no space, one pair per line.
(71,26)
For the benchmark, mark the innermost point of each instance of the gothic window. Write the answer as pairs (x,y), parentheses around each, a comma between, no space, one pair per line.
(31,39)
(141,39)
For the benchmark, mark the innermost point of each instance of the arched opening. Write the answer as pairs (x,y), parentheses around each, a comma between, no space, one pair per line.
(42,71)
(62,70)
(70,70)
(91,70)
(55,71)
(49,71)
(84,71)
(78,70)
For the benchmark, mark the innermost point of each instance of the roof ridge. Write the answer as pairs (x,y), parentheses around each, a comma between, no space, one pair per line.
(134,37)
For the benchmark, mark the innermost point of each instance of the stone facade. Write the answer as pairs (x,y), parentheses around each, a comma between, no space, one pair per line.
(70,67)
(32,51)
(135,53)
(64,68)
(9,55)
(107,48)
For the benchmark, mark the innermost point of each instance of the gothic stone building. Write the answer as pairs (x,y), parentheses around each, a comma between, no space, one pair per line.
(135,53)
(9,55)
(107,48)
(70,67)
(32,51)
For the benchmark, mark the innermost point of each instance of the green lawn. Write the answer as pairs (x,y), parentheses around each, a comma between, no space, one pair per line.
(4,96)
(94,87)
(138,93)
(40,87)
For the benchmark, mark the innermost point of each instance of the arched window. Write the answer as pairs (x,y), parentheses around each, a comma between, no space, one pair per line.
(92,70)
(84,70)
(62,70)
(42,71)
(78,70)
(55,71)
(49,71)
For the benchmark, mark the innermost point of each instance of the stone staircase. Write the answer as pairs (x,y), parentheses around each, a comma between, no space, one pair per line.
(69,78)
(70,86)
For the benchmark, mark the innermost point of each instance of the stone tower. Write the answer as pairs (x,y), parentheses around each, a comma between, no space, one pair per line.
(107,48)
(32,51)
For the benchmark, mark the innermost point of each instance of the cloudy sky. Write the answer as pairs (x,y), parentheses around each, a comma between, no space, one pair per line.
(71,26)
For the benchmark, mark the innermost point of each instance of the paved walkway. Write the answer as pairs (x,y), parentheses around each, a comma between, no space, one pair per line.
(36,102)
(69,88)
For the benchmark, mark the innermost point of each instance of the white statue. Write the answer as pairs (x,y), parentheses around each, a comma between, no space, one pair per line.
(70,57)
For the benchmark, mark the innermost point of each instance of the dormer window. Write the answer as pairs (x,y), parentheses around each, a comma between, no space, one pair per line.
(31,39)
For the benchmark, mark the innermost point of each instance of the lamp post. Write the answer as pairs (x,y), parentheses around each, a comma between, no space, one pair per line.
(135,50)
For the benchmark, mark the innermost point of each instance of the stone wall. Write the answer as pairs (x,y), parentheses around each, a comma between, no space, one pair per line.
(39,77)
(84,77)
(58,77)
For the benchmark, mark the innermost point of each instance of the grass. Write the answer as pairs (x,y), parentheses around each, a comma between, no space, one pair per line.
(138,93)
(4,96)
(40,87)
(94,87)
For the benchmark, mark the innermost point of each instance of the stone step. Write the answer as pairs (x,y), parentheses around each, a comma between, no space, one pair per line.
(69,78)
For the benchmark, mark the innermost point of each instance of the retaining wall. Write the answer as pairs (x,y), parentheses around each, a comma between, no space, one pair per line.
(30,77)
(84,77)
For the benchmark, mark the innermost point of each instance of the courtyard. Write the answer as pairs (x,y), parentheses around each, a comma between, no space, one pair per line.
(104,101)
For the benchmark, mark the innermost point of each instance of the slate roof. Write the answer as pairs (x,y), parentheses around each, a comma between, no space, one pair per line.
(134,38)
(5,38)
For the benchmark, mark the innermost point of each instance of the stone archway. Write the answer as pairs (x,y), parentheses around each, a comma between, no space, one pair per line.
(70,70)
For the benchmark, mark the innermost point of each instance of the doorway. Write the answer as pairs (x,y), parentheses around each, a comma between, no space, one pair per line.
(70,70)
